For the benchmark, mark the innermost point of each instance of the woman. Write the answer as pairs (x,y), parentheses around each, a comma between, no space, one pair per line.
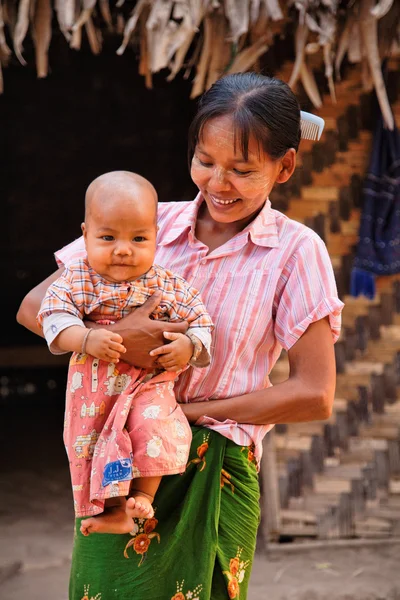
(267,282)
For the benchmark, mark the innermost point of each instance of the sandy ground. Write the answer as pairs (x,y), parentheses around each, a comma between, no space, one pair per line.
(36,530)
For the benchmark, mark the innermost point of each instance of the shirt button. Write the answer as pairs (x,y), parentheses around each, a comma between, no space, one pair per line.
(203,262)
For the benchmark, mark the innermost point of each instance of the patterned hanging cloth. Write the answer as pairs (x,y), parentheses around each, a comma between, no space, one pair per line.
(378,249)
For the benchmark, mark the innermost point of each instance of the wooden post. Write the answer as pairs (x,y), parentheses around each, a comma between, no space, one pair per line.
(270,511)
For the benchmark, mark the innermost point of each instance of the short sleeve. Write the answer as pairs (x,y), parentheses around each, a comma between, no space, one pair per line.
(60,297)
(306,293)
(71,253)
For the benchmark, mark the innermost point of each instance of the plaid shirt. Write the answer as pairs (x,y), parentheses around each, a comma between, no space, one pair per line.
(81,292)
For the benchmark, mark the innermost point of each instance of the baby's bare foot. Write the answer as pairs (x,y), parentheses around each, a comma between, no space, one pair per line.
(113,520)
(139,507)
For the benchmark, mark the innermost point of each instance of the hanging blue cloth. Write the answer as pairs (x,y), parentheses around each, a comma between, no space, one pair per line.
(378,249)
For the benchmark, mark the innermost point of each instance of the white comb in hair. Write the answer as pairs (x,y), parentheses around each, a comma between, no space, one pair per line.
(311,126)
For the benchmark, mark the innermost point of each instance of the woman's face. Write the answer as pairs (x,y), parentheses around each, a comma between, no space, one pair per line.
(234,189)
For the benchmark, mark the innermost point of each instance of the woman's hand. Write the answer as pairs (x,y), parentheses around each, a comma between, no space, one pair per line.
(141,334)
(194,410)
(307,395)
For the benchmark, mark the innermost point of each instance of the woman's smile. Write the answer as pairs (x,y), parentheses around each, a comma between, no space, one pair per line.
(222,201)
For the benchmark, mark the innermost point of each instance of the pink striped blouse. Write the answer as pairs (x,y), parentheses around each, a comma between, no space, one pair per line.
(262,289)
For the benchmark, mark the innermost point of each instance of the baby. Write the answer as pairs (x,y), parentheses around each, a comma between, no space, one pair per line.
(123,428)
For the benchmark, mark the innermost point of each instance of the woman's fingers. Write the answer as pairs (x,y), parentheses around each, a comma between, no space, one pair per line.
(151,304)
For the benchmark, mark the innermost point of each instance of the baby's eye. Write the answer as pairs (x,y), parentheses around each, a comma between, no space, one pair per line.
(139,238)
(107,238)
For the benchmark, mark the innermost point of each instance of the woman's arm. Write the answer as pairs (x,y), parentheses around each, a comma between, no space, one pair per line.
(140,334)
(30,305)
(307,395)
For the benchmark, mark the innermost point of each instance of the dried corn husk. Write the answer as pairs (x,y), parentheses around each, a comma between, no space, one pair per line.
(106,13)
(190,25)
(42,35)
(4,49)
(65,10)
(310,86)
(344,43)
(300,42)
(327,49)
(21,29)
(131,24)
(94,36)
(87,9)
(221,50)
(369,34)
(213,37)
(354,53)
(237,13)
(273,9)
(144,65)
(381,8)
(205,57)
(247,57)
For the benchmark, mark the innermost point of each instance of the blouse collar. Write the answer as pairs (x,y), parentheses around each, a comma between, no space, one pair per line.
(262,231)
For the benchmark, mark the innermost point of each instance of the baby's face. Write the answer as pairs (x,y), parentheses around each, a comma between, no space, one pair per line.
(120,236)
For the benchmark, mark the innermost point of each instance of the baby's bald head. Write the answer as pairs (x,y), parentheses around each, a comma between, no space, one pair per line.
(119,190)
(120,228)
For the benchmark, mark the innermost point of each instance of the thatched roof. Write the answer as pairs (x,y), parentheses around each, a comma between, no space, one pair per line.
(215,37)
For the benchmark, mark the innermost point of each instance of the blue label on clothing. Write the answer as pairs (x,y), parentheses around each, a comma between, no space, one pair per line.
(119,470)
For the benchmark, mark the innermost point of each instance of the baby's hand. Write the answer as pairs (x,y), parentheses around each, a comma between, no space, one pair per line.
(176,355)
(105,345)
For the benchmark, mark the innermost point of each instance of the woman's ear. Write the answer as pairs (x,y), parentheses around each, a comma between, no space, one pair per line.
(288,165)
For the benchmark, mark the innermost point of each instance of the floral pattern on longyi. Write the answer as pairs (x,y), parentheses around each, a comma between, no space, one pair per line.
(143,532)
(236,574)
(85,596)
(201,452)
(189,595)
(250,453)
(226,479)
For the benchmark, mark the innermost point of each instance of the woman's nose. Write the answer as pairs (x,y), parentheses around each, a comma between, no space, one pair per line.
(219,181)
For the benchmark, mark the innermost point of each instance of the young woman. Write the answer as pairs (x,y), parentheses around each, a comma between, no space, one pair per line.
(268,284)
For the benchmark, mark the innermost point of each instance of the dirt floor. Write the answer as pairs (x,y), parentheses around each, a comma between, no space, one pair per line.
(36,529)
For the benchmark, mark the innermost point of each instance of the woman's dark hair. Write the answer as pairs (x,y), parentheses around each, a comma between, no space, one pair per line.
(260,106)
